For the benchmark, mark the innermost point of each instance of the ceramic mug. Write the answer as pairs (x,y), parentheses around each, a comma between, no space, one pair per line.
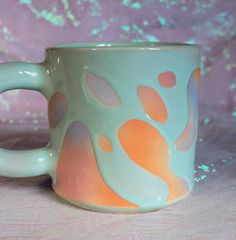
(123,123)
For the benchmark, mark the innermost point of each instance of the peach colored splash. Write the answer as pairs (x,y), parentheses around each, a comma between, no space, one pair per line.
(78,176)
(197,76)
(148,148)
(152,103)
(105,143)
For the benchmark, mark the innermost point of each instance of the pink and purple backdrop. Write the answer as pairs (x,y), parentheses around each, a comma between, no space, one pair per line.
(28,26)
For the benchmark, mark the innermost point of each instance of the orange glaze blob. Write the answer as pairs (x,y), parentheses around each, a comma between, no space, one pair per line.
(78,176)
(167,79)
(197,76)
(148,148)
(105,143)
(152,103)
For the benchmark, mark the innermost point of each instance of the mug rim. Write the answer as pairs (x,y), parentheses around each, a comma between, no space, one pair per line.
(121,45)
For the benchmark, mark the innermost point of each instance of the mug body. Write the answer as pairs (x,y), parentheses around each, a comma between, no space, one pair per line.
(123,119)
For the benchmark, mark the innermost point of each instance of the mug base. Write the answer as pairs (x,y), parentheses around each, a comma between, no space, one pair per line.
(111,209)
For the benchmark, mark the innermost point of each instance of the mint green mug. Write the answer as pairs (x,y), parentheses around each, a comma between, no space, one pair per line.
(123,123)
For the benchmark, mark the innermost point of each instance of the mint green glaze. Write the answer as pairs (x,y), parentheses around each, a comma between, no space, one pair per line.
(119,209)
(34,162)
(124,66)
(144,64)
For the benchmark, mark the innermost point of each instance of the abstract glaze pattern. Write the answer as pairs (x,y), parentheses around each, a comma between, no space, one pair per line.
(186,139)
(148,148)
(79,176)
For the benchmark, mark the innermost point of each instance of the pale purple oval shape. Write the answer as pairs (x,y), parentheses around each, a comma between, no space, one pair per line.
(102,91)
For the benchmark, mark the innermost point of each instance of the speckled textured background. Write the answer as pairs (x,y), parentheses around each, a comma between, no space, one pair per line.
(28,26)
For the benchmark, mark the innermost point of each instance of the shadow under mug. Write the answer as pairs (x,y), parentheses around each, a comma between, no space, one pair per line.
(123,123)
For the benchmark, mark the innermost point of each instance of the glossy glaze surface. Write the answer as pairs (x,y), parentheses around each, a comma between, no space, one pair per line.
(141,113)
(115,114)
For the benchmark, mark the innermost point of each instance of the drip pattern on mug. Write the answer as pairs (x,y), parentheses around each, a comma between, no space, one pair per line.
(150,150)
(186,139)
(79,176)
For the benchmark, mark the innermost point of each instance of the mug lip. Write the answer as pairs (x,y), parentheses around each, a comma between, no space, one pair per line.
(81,46)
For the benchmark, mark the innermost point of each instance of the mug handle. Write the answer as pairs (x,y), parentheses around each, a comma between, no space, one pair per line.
(25,163)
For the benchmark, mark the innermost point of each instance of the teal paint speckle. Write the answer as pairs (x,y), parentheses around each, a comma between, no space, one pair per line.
(94,31)
(94,7)
(162,21)
(66,4)
(200,178)
(206,121)
(126,2)
(25,1)
(69,14)
(184,8)
(56,20)
(234,114)
(226,52)
(190,41)
(232,86)
(5,30)
(145,23)
(151,38)
(137,29)
(104,26)
(205,168)
(7,34)
(136,5)
(202,171)
(125,28)
(51,17)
